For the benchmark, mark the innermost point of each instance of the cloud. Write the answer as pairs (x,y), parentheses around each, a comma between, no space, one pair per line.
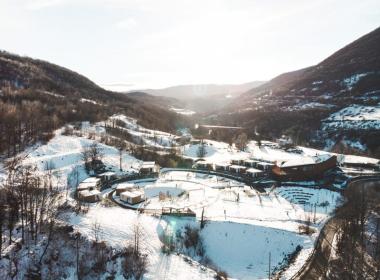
(41,4)
(128,23)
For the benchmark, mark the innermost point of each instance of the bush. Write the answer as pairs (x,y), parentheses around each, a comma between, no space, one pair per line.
(221,275)
(135,263)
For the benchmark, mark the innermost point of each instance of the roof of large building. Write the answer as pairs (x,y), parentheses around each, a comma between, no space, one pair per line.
(305,161)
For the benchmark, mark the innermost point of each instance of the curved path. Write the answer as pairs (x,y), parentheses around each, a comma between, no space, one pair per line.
(317,264)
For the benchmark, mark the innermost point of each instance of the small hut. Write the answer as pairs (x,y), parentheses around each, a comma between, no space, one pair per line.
(237,161)
(96,182)
(123,187)
(221,167)
(203,165)
(90,184)
(149,167)
(250,163)
(132,197)
(107,176)
(237,169)
(89,196)
(254,173)
(265,166)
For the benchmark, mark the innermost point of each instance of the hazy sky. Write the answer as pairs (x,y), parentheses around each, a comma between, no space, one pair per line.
(157,43)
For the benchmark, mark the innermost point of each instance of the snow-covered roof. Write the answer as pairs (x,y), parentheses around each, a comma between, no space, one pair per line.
(85,186)
(306,160)
(125,186)
(91,180)
(222,164)
(132,194)
(86,193)
(263,163)
(250,160)
(253,170)
(108,173)
(147,164)
(237,167)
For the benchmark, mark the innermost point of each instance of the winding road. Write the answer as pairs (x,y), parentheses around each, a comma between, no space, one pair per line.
(317,264)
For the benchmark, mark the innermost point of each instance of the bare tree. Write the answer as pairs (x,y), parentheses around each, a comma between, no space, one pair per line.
(97,231)
(201,152)
(241,141)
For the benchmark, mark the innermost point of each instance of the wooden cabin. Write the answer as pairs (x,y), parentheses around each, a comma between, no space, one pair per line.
(221,167)
(96,182)
(123,187)
(254,173)
(203,165)
(309,168)
(89,196)
(132,197)
(237,161)
(107,176)
(264,166)
(250,163)
(89,184)
(149,167)
(239,169)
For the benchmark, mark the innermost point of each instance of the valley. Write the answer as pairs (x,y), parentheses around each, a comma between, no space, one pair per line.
(276,177)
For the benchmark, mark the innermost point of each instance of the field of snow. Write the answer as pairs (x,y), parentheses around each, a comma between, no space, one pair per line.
(252,224)
(62,155)
(117,227)
(216,152)
(243,225)
(354,117)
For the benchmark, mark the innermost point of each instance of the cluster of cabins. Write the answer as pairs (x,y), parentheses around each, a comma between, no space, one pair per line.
(307,168)
(89,189)
(248,167)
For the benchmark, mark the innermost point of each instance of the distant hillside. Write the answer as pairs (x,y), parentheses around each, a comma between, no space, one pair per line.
(37,97)
(300,102)
(353,70)
(186,92)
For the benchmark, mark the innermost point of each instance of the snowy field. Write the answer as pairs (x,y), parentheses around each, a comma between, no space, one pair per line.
(252,224)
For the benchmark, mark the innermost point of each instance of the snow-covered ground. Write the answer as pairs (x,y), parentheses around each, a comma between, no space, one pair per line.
(349,82)
(243,226)
(252,225)
(63,155)
(354,117)
(310,105)
(117,225)
(183,111)
(153,138)
(216,152)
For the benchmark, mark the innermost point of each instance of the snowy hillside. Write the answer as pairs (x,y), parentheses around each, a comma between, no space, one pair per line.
(354,117)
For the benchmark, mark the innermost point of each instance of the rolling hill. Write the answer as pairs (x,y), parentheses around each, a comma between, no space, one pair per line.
(302,103)
(37,97)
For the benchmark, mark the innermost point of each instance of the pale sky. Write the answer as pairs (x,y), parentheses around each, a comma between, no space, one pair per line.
(159,43)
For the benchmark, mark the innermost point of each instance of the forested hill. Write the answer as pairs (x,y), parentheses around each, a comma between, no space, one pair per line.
(37,97)
(333,104)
